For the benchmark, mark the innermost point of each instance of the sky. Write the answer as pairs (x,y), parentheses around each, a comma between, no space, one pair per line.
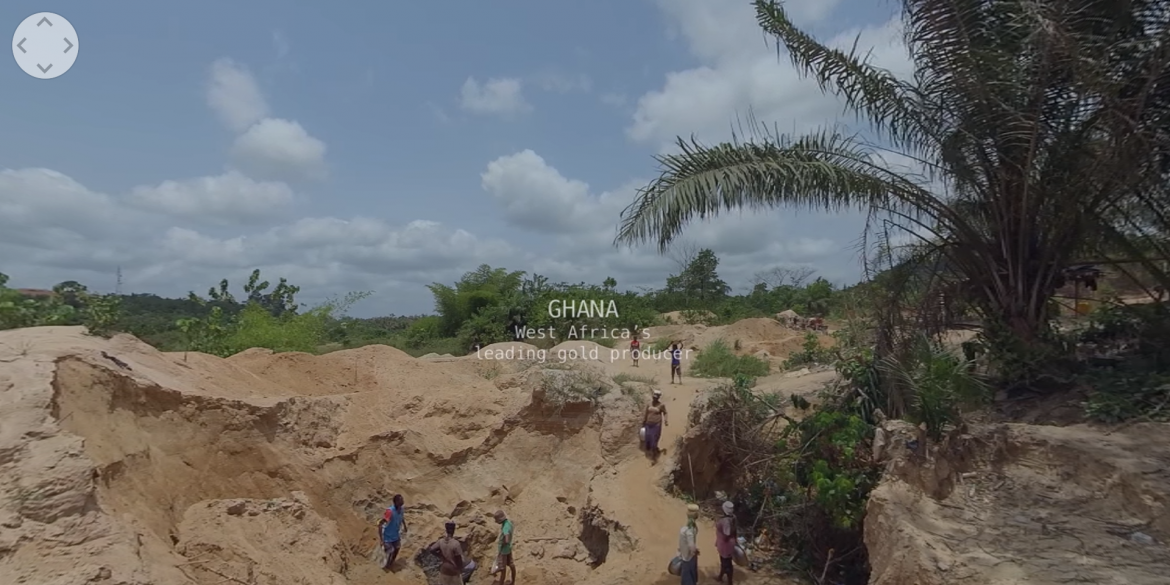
(384,146)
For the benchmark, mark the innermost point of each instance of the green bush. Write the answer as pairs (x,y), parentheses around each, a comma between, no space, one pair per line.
(1126,395)
(811,353)
(815,494)
(423,331)
(257,327)
(717,360)
(941,385)
(806,485)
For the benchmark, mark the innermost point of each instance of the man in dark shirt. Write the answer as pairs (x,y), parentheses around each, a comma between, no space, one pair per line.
(451,552)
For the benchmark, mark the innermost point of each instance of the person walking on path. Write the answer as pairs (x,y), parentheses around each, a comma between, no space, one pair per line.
(504,560)
(688,549)
(675,363)
(391,528)
(635,350)
(450,550)
(653,420)
(725,541)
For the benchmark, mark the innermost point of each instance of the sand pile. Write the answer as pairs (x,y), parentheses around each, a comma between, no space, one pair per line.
(763,337)
(1023,504)
(681,317)
(275,467)
(261,541)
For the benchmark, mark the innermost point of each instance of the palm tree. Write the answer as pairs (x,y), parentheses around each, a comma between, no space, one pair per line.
(1040,126)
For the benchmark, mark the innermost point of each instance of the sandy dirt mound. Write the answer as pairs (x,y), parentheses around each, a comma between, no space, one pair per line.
(680,317)
(1017,504)
(261,541)
(762,337)
(126,473)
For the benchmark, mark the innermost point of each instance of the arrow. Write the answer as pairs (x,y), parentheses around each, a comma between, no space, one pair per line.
(67,43)
(44,69)
(18,45)
(45,19)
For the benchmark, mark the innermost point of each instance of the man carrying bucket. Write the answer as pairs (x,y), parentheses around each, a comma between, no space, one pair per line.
(725,541)
(652,421)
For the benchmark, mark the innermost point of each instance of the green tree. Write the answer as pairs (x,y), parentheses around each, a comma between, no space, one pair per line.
(1036,123)
(278,301)
(699,280)
(481,290)
(71,292)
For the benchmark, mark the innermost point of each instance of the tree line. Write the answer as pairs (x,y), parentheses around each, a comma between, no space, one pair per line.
(486,305)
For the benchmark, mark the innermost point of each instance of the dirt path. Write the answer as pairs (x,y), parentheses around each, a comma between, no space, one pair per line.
(635,494)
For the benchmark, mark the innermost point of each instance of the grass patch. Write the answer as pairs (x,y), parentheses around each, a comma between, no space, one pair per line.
(491,370)
(718,361)
(661,344)
(1120,397)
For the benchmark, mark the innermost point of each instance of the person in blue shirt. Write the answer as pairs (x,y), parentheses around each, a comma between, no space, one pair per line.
(675,363)
(391,528)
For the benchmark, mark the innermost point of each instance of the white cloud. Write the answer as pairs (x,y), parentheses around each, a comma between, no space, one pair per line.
(538,198)
(740,73)
(52,228)
(234,95)
(501,96)
(280,149)
(230,198)
(270,148)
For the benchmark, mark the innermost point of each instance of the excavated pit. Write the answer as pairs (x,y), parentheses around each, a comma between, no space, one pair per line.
(204,471)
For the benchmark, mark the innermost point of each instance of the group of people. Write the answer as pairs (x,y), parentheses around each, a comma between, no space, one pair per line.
(675,358)
(454,568)
(726,539)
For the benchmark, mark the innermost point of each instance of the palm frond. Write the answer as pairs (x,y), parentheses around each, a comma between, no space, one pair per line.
(824,171)
(887,103)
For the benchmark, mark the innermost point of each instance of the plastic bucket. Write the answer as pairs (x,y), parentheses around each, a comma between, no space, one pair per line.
(740,556)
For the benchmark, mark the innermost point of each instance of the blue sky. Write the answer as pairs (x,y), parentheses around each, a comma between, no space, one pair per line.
(391,144)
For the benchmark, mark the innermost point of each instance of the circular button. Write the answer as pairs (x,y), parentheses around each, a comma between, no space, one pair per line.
(45,45)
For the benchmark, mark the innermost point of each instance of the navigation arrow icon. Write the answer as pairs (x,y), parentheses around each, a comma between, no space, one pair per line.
(45,20)
(18,46)
(44,69)
(66,48)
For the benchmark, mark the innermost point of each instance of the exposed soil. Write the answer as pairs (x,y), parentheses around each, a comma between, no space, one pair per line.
(273,469)
(1015,503)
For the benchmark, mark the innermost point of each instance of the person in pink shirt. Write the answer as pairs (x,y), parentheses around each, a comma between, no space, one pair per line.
(725,541)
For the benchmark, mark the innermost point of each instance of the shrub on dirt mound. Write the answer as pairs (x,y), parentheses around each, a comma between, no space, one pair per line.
(566,387)
(803,482)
